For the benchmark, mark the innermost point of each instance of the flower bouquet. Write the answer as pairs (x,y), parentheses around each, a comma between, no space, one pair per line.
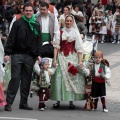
(72,69)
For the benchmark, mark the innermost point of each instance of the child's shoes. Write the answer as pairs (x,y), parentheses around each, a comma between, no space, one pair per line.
(105,110)
(41,109)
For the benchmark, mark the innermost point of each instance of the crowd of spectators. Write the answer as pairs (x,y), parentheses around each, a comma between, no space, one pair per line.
(9,8)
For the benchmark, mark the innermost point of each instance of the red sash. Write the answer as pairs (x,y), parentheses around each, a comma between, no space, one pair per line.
(99,79)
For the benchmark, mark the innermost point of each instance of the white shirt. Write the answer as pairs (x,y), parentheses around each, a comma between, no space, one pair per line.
(77,13)
(45,27)
(107,70)
(45,24)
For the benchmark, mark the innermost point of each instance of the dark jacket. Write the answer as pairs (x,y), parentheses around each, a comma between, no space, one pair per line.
(22,40)
(9,12)
(2,13)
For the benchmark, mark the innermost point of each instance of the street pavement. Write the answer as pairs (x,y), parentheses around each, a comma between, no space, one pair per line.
(112,53)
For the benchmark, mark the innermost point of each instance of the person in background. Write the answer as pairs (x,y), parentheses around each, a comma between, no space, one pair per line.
(116,26)
(109,25)
(9,13)
(102,19)
(17,16)
(66,11)
(49,28)
(2,18)
(115,5)
(36,6)
(60,6)
(51,8)
(54,4)
(88,15)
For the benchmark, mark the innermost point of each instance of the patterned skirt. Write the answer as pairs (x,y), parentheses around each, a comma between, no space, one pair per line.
(64,85)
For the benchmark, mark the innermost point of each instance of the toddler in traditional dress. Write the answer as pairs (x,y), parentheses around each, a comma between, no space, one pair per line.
(101,73)
(44,83)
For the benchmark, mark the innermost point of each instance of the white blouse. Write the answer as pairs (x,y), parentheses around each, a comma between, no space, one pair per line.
(71,34)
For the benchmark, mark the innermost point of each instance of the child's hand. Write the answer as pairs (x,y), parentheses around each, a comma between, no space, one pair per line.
(39,59)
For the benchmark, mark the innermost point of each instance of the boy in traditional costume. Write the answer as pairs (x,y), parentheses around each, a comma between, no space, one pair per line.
(101,73)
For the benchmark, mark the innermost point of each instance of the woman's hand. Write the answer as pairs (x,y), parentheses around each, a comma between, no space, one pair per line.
(54,63)
(6,58)
(81,65)
(82,36)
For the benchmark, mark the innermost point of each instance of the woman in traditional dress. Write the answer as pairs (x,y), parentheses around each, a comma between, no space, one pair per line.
(66,86)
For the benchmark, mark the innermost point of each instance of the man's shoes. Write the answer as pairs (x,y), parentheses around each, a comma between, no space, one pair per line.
(8,107)
(25,107)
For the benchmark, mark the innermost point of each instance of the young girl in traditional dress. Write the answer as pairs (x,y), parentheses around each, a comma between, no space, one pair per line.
(101,73)
(103,30)
(109,25)
(44,83)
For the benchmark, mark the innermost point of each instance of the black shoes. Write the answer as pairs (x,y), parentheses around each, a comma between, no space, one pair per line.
(8,108)
(71,106)
(56,105)
(25,107)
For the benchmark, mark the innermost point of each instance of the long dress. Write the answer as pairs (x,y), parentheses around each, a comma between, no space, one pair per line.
(64,85)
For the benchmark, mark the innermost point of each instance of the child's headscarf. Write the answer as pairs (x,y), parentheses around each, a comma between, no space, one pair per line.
(43,61)
(104,61)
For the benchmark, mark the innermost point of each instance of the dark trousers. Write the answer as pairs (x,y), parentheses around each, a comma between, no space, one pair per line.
(21,73)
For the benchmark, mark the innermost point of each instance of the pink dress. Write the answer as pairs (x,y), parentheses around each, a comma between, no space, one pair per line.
(2,96)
